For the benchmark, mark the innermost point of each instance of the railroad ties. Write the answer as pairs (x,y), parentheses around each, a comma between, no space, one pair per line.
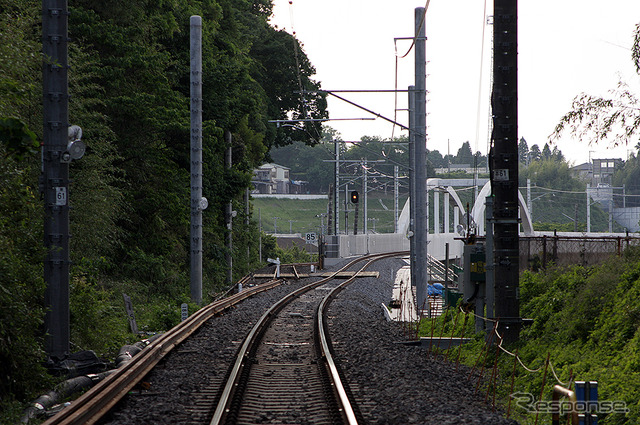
(283,371)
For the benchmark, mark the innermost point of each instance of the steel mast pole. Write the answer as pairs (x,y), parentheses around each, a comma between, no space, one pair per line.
(336,191)
(395,198)
(420,138)
(412,186)
(55,176)
(504,161)
(365,226)
(197,205)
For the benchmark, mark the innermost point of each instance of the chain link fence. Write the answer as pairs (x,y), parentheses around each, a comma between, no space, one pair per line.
(538,252)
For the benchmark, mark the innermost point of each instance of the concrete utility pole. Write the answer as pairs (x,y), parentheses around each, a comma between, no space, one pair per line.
(330,211)
(198,203)
(260,235)
(229,211)
(395,198)
(364,199)
(346,208)
(336,190)
(420,137)
(504,158)
(412,185)
(55,176)
(588,208)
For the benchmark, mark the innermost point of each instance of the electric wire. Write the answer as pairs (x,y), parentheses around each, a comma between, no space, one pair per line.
(479,106)
(528,369)
(413,43)
(305,109)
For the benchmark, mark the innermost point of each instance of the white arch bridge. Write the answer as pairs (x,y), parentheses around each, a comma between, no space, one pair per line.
(448,221)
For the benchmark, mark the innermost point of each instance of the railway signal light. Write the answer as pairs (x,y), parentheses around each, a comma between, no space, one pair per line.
(354,196)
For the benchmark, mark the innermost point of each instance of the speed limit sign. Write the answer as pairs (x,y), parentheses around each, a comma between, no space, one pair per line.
(311,237)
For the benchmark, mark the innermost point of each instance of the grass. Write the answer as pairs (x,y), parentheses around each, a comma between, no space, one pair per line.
(302,213)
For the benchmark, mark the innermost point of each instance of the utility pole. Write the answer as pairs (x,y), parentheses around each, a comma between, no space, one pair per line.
(412,186)
(247,220)
(55,176)
(330,211)
(588,208)
(229,213)
(504,178)
(260,235)
(529,198)
(198,203)
(355,219)
(364,198)
(346,208)
(395,198)
(336,190)
(420,137)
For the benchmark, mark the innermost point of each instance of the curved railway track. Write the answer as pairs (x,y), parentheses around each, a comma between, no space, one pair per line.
(289,358)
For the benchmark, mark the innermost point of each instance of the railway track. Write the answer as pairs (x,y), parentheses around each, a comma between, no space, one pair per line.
(287,350)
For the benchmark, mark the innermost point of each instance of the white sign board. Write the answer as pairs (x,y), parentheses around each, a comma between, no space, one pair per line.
(184,312)
(61,195)
(311,237)
(501,174)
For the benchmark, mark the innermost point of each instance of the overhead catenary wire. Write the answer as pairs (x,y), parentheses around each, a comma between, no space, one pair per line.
(413,43)
(305,109)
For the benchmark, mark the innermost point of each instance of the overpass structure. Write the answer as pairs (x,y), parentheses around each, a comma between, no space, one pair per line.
(449,221)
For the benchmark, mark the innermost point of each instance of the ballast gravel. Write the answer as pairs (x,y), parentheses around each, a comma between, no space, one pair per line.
(399,384)
(394,383)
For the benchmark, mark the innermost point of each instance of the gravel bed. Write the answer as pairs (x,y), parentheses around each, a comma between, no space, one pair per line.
(400,384)
(197,366)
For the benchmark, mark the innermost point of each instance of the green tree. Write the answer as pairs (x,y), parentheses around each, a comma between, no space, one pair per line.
(557,155)
(306,163)
(21,248)
(615,117)
(629,177)
(534,153)
(551,174)
(283,72)
(523,151)
(465,155)
(435,158)
(546,152)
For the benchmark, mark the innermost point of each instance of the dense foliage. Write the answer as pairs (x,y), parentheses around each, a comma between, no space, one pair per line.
(130,88)
(586,319)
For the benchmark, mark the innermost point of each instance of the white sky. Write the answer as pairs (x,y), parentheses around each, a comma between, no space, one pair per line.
(565,47)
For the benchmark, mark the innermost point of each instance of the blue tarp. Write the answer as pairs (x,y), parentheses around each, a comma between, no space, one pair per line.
(435,289)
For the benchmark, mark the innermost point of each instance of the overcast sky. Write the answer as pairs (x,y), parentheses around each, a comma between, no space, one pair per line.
(565,47)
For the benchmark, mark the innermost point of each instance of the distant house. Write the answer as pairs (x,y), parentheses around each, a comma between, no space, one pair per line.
(274,179)
(583,172)
(603,170)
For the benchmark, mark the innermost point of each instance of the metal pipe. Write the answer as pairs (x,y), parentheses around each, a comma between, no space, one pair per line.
(559,392)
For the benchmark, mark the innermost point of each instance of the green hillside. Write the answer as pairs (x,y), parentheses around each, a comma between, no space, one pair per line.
(302,213)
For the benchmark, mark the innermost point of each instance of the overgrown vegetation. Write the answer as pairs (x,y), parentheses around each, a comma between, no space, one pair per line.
(129,87)
(586,319)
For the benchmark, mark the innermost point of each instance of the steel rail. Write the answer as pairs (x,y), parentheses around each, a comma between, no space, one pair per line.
(228,393)
(325,347)
(96,402)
